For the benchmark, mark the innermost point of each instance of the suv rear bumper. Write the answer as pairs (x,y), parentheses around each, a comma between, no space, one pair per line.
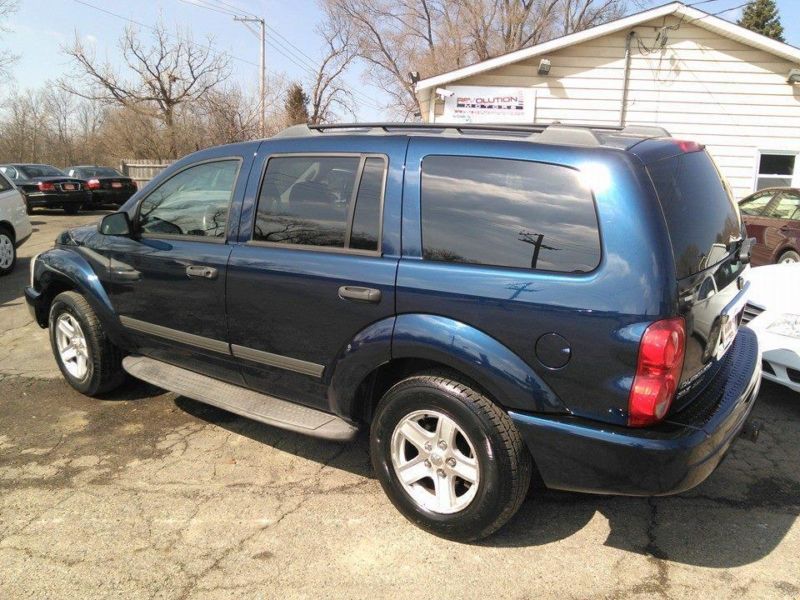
(579,455)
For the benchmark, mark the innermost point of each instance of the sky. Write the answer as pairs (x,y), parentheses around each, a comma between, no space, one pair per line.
(40,28)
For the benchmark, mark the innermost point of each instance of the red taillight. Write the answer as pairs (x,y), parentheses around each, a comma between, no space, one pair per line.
(658,372)
(46,186)
(93,184)
(134,185)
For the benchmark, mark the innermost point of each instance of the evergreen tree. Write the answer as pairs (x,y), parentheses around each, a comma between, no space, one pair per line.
(296,105)
(762,17)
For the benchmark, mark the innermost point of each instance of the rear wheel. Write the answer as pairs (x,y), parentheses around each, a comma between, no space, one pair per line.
(8,252)
(448,458)
(86,357)
(790,256)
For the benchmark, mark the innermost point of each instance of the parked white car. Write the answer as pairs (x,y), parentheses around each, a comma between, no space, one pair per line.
(773,312)
(15,226)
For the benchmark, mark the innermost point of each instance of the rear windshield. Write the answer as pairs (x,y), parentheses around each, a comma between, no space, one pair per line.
(33,171)
(700,213)
(96,172)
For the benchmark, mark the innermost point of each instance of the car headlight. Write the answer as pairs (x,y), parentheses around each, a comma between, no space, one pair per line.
(33,267)
(786,324)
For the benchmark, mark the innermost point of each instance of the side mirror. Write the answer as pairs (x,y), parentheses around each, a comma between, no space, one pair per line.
(118,223)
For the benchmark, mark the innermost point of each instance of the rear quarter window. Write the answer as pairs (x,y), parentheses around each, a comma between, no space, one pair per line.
(508,213)
(698,208)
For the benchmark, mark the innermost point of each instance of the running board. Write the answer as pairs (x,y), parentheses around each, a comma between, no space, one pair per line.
(239,400)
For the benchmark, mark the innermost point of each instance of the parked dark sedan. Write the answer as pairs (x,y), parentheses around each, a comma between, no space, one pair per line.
(772,216)
(47,187)
(108,186)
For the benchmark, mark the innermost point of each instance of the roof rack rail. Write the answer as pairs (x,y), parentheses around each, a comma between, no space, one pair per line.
(557,133)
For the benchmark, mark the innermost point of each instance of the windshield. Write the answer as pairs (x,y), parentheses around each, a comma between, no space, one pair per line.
(97,172)
(701,216)
(34,171)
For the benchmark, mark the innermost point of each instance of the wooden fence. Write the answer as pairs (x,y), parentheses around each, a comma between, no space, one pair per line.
(143,170)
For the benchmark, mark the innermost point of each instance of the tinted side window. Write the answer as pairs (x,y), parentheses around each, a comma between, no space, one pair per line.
(507,213)
(194,202)
(366,220)
(308,200)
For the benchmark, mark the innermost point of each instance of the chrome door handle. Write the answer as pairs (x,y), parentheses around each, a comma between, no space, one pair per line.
(359,294)
(200,271)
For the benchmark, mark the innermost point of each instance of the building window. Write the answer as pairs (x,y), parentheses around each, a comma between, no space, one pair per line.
(775,170)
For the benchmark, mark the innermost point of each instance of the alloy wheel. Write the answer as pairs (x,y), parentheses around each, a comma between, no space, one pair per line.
(72,348)
(6,251)
(435,462)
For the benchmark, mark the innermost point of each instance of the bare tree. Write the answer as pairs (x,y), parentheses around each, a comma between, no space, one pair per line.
(159,78)
(328,90)
(394,37)
(24,132)
(7,58)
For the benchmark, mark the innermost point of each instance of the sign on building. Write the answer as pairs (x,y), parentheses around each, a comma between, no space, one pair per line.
(480,104)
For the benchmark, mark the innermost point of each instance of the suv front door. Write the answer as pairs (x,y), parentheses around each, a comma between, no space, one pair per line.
(316,264)
(167,281)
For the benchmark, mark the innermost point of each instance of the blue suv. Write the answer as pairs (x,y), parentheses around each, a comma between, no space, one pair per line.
(492,303)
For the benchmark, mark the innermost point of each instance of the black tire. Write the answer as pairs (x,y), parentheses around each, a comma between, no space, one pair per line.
(505,465)
(7,245)
(790,256)
(71,209)
(104,371)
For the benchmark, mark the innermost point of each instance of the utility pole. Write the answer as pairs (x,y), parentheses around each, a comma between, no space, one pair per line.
(262,125)
(535,239)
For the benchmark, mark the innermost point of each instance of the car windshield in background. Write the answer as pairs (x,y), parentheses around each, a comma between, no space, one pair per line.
(97,172)
(701,216)
(34,171)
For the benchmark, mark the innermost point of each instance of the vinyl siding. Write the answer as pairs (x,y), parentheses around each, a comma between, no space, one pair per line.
(701,86)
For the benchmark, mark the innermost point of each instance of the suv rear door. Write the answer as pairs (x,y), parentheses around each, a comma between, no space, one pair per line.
(316,263)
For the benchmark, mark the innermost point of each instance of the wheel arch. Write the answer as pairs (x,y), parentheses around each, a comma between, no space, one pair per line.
(61,270)
(9,226)
(395,348)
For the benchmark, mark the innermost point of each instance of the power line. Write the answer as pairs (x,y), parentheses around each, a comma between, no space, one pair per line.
(306,65)
(151,28)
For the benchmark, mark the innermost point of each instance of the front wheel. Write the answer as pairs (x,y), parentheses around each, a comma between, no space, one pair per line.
(8,252)
(86,357)
(71,209)
(449,458)
(790,256)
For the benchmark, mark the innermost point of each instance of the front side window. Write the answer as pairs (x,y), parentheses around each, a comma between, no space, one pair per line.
(193,203)
(322,201)
(775,170)
(786,207)
(755,204)
(508,213)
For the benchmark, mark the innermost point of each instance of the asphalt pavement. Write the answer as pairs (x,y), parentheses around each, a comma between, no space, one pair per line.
(143,494)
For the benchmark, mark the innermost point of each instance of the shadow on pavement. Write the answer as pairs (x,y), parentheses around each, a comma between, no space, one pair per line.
(737,517)
(11,285)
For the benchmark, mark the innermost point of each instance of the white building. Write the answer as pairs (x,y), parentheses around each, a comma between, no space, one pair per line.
(700,77)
